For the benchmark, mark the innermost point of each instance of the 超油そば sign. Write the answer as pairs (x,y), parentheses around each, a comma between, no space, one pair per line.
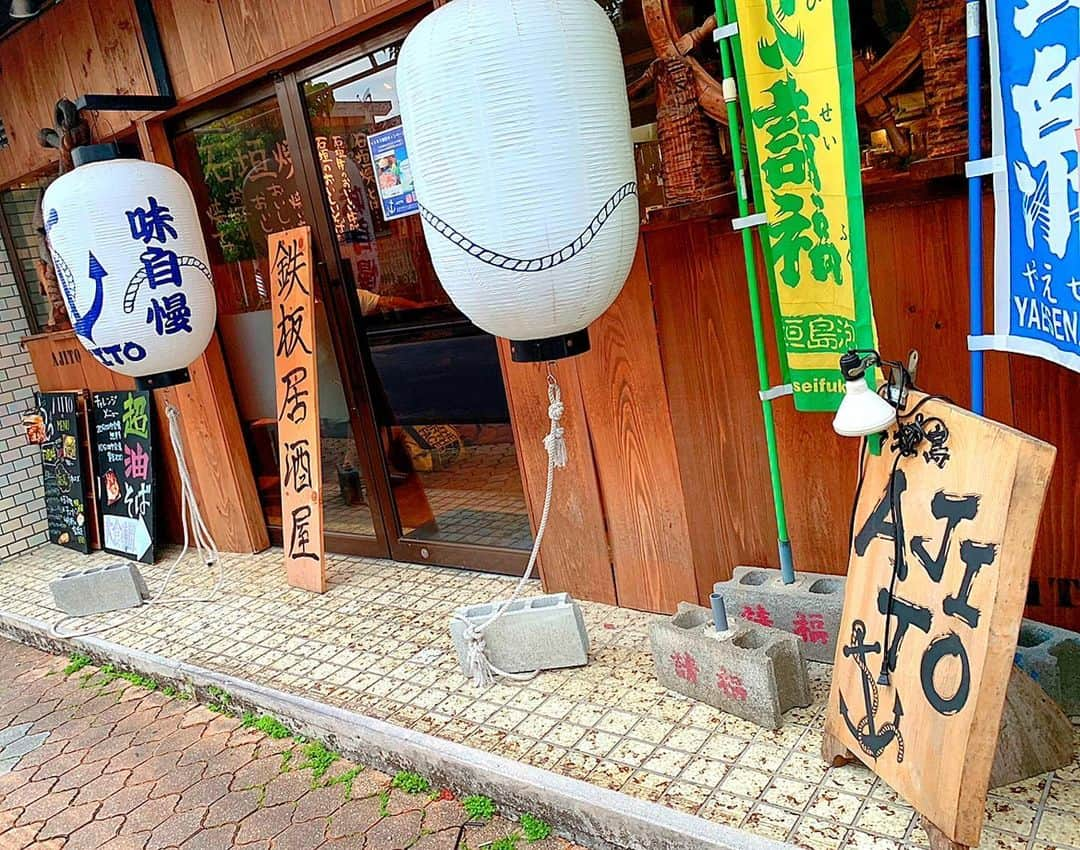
(935,594)
(1035,99)
(123,446)
(393,176)
(798,95)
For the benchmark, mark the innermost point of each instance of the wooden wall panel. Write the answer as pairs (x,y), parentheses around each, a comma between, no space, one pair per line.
(195,44)
(702,311)
(574,556)
(346,10)
(257,30)
(72,48)
(637,464)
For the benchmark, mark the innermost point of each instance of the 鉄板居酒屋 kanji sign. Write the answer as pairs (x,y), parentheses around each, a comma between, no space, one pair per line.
(292,302)
(960,531)
(799,96)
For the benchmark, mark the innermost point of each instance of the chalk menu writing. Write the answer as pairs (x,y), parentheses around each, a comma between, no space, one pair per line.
(61,464)
(293,306)
(123,445)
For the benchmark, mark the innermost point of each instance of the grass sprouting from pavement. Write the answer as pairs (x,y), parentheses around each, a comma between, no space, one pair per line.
(346,780)
(76,662)
(479,807)
(411,782)
(508,842)
(267,724)
(384,803)
(220,700)
(318,758)
(534,829)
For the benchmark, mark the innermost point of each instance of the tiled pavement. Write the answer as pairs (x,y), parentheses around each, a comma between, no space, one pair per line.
(377,643)
(106,765)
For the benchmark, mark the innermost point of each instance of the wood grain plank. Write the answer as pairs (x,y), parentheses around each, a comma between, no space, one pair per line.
(257,30)
(574,555)
(195,43)
(626,407)
(702,315)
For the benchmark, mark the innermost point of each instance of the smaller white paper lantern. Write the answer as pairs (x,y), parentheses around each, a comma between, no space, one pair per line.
(132,265)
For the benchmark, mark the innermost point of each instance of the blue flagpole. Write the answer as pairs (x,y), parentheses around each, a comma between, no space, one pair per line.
(975,227)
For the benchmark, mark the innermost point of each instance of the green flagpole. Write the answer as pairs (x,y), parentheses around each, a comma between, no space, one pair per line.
(787,566)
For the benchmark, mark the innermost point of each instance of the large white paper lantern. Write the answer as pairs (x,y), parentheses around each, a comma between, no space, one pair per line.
(132,264)
(517,128)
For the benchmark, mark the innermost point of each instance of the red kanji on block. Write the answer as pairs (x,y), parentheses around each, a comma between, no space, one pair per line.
(757,615)
(730,685)
(685,666)
(811,628)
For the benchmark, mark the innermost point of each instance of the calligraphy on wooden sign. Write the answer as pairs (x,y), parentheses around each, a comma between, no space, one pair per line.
(293,307)
(924,657)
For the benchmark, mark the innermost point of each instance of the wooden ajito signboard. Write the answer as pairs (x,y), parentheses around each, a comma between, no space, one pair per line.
(961,511)
(60,438)
(122,430)
(300,458)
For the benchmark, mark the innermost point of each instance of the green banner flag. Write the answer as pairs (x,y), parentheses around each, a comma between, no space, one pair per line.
(799,103)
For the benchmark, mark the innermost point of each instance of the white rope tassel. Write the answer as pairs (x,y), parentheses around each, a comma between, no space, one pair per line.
(554,442)
(480,668)
(204,542)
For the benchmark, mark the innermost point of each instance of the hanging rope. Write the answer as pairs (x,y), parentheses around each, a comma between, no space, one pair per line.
(479,666)
(204,542)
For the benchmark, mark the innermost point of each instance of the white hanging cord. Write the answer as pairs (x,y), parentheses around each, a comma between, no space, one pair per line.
(204,542)
(482,671)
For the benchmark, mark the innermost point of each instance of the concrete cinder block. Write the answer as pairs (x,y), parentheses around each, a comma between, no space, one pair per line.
(99,589)
(751,671)
(538,633)
(1051,656)
(810,608)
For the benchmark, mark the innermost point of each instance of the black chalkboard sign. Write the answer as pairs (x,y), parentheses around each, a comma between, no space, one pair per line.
(123,446)
(61,463)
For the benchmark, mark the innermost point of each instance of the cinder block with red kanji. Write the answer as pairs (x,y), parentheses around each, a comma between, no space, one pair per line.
(752,671)
(810,608)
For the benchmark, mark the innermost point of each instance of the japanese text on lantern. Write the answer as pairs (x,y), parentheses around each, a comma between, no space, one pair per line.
(293,309)
(800,122)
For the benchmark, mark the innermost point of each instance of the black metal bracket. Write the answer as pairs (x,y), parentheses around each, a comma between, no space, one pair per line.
(159,70)
(124,102)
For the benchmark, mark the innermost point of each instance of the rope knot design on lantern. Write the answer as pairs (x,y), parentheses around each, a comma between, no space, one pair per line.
(537,264)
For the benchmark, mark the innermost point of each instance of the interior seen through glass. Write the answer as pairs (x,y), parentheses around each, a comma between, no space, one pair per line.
(439,397)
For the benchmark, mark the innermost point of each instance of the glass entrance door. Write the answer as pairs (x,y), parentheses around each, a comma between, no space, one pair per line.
(240,167)
(444,439)
(418,453)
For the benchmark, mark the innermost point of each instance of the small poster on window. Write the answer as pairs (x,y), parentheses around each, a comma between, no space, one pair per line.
(393,176)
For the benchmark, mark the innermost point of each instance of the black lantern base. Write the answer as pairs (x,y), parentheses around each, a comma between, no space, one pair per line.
(163,379)
(549,348)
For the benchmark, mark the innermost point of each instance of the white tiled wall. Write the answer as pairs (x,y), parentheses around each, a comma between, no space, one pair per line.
(22,497)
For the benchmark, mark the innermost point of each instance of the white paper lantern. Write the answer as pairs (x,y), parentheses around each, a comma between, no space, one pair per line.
(132,264)
(518,135)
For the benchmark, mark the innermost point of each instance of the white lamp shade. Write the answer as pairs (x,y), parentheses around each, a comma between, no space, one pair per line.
(518,135)
(132,264)
(862,411)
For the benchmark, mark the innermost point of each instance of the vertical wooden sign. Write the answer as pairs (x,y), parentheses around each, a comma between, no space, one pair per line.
(300,458)
(924,656)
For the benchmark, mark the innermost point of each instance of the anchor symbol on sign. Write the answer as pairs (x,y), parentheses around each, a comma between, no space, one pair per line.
(872,740)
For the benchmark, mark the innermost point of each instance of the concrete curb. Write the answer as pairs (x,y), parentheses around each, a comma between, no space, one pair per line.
(608,820)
